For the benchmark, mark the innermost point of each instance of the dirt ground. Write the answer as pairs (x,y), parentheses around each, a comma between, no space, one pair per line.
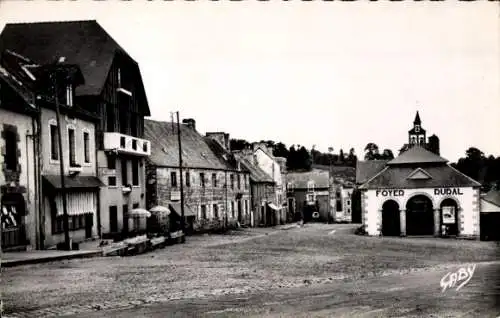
(319,268)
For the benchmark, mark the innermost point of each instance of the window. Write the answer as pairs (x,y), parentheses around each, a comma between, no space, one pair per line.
(239,181)
(188,180)
(124,172)
(232,208)
(216,211)
(348,202)
(135,206)
(86,147)
(75,223)
(173,179)
(112,181)
(110,117)
(72,149)
(10,138)
(231,177)
(133,124)
(202,179)
(135,172)
(203,211)
(214,180)
(54,143)
(339,205)
(417,128)
(413,140)
(113,219)
(111,162)
(69,95)
(246,206)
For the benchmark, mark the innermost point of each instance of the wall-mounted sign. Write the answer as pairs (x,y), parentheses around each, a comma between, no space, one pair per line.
(448,215)
(175,195)
(448,191)
(390,193)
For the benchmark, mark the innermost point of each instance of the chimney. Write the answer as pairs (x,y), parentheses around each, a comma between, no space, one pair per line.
(190,122)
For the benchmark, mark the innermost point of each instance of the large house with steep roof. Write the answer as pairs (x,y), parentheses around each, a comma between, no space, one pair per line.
(112,90)
(216,188)
(419,193)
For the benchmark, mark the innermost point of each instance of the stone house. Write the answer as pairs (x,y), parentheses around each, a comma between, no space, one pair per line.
(261,156)
(311,191)
(112,90)
(262,193)
(216,192)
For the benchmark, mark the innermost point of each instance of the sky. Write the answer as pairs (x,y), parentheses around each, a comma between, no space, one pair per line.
(330,74)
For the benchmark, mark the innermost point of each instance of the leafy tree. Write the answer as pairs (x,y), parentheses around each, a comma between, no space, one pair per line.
(387,154)
(371,151)
(280,150)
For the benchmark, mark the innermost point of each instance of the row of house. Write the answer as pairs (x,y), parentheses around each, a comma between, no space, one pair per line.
(113,159)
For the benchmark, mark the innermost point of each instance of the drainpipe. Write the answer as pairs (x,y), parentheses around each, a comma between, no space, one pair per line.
(39,193)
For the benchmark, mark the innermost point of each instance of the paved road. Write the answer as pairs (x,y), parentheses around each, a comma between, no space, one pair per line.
(412,295)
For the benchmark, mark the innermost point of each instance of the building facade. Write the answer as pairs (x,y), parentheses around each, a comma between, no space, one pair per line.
(18,165)
(262,194)
(311,192)
(112,90)
(216,191)
(261,156)
(418,193)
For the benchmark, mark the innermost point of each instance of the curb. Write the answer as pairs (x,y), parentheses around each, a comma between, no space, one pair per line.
(47,259)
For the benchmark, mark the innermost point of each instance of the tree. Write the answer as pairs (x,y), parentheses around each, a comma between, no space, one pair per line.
(304,159)
(351,158)
(238,144)
(371,151)
(280,150)
(341,157)
(387,154)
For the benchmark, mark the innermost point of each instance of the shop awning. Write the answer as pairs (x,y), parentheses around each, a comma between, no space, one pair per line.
(176,207)
(273,206)
(88,183)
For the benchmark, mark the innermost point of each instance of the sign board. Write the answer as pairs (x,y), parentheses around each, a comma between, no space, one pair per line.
(448,215)
(448,191)
(401,192)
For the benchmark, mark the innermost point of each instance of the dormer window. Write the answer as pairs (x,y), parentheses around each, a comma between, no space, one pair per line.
(69,95)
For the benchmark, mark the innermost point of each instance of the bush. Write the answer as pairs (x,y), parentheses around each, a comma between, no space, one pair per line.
(360,230)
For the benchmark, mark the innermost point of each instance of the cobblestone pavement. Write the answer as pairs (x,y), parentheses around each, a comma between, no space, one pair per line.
(253,264)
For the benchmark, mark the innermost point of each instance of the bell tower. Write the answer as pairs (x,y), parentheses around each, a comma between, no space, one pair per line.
(416,135)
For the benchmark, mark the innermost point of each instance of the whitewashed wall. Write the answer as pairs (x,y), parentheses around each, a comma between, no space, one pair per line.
(468,204)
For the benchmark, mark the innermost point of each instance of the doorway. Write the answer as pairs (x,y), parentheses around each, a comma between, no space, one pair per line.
(89,223)
(390,219)
(419,216)
(240,219)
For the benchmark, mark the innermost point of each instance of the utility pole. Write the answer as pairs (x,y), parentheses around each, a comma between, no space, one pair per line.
(54,76)
(180,170)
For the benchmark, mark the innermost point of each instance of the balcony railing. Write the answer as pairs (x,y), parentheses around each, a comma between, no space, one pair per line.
(126,144)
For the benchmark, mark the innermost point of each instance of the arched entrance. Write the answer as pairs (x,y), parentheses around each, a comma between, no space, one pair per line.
(419,216)
(449,217)
(390,218)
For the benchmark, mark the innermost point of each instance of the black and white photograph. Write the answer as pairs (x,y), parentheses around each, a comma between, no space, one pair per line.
(249,158)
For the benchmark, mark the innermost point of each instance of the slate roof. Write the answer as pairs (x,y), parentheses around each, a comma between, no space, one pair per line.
(417,155)
(493,197)
(300,179)
(256,173)
(18,87)
(395,177)
(196,153)
(84,43)
(367,169)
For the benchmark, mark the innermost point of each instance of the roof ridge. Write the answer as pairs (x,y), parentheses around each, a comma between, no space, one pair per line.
(376,175)
(47,22)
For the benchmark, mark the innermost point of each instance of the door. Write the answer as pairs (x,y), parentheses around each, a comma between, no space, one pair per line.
(89,223)
(240,219)
(125,218)
(113,219)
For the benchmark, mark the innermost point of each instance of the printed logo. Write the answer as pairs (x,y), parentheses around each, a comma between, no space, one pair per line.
(461,277)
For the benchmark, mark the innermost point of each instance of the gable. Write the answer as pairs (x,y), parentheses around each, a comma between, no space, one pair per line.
(419,174)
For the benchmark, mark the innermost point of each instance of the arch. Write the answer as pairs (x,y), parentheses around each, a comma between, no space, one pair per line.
(390,218)
(449,208)
(420,215)
(446,198)
(419,193)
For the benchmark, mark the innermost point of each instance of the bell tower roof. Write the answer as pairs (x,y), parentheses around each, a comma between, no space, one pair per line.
(417,119)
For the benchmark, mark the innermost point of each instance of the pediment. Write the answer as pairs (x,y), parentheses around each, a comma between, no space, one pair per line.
(419,174)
